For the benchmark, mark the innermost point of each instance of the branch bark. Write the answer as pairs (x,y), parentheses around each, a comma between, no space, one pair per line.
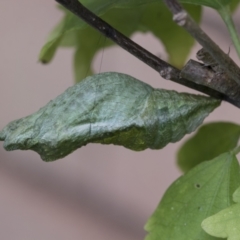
(166,70)
(181,17)
(198,73)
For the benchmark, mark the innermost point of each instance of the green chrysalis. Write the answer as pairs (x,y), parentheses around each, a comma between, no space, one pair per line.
(108,108)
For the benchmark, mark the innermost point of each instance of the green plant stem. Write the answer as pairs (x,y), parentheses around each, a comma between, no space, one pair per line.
(236,150)
(227,18)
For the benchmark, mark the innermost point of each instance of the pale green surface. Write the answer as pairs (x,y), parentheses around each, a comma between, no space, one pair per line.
(216,4)
(211,140)
(108,108)
(227,18)
(203,191)
(236,195)
(226,223)
(153,16)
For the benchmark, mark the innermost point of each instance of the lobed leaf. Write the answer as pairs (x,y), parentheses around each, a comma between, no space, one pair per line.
(226,223)
(108,108)
(138,15)
(211,140)
(177,51)
(90,41)
(201,192)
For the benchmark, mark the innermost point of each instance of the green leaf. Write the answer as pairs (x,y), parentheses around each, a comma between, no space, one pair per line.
(68,24)
(135,16)
(226,223)
(234,5)
(203,191)
(226,15)
(108,108)
(216,4)
(91,41)
(236,196)
(176,40)
(171,35)
(211,140)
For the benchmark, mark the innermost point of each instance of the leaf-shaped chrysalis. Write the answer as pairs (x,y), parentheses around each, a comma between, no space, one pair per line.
(108,108)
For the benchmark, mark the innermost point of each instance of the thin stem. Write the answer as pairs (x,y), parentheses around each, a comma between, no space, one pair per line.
(165,69)
(227,18)
(185,21)
(236,150)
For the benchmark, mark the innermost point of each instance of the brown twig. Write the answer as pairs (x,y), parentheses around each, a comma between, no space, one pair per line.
(182,18)
(166,70)
(198,73)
